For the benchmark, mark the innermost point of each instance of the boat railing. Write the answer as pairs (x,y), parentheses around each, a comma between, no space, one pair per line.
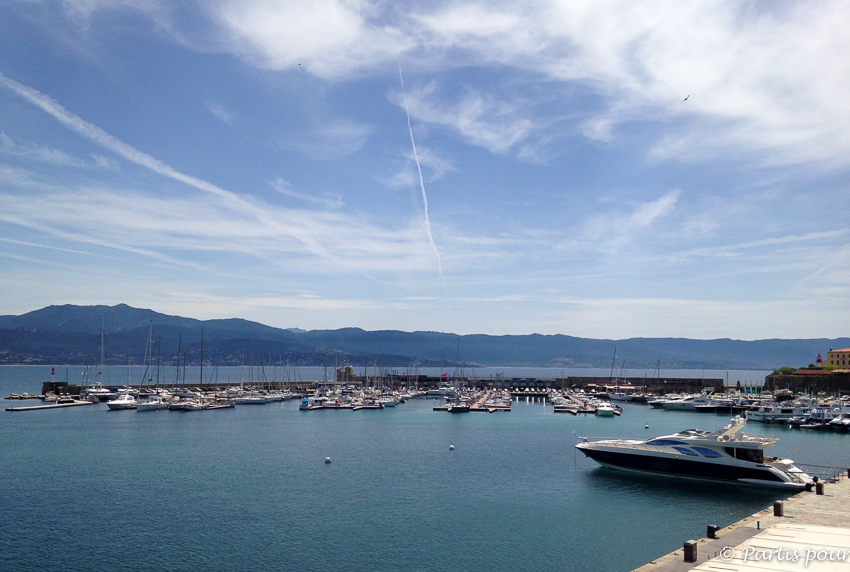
(823,472)
(639,444)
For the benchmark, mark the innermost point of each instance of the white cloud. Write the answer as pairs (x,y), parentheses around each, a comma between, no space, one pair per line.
(432,162)
(219,111)
(613,232)
(483,120)
(329,38)
(284,188)
(765,79)
(52,156)
(328,139)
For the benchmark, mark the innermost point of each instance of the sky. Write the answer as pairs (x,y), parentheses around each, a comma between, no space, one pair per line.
(595,169)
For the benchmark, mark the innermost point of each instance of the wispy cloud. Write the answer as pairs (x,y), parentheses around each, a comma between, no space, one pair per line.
(219,111)
(761,80)
(613,232)
(52,156)
(285,188)
(436,165)
(484,120)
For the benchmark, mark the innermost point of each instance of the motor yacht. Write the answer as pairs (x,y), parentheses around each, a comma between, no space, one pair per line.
(605,410)
(688,403)
(124,401)
(723,455)
(153,403)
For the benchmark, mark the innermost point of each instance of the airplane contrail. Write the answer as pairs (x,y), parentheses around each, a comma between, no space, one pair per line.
(100,137)
(421,182)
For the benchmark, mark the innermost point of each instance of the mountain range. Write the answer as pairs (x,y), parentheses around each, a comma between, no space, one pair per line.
(71,335)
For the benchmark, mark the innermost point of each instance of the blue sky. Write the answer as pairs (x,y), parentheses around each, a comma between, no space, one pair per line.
(253,159)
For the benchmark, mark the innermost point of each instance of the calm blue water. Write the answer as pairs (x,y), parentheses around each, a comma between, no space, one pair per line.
(90,489)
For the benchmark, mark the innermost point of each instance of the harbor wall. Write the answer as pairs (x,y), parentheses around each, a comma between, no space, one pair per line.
(810,381)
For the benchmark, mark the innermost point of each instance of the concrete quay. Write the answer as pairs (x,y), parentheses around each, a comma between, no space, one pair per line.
(808,519)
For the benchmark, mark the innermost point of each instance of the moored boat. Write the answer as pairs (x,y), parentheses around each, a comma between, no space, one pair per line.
(723,455)
(124,401)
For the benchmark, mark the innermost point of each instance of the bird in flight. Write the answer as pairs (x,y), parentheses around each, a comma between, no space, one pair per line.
(686,99)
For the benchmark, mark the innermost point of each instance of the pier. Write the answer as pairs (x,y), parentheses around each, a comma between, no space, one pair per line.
(49,406)
(818,519)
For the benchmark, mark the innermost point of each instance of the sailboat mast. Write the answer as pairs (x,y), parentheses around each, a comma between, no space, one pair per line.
(202,356)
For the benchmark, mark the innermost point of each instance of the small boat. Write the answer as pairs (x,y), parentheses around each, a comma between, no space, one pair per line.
(124,401)
(723,455)
(604,410)
(153,403)
(841,423)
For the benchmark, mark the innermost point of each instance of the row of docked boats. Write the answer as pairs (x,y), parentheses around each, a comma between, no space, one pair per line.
(355,399)
(186,400)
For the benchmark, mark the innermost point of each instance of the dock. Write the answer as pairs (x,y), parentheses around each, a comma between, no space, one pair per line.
(49,406)
(806,521)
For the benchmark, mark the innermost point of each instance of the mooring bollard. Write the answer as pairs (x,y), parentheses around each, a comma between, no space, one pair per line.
(778,508)
(691,551)
(809,487)
(712,531)
(819,488)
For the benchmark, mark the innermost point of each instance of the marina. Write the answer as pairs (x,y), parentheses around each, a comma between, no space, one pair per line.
(251,488)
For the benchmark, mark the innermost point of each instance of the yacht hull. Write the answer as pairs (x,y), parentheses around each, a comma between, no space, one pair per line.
(677,467)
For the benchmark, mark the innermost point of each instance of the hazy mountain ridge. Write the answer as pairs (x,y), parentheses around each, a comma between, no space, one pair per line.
(71,334)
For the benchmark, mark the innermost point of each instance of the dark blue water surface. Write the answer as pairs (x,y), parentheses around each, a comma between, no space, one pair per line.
(86,488)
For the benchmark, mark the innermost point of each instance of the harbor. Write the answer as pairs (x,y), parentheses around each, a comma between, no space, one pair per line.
(513,486)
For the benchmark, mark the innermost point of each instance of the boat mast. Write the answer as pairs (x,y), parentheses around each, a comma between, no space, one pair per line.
(202,357)
(100,373)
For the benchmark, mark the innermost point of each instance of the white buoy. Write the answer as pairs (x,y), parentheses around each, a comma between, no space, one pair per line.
(646,426)
(327,460)
(451,447)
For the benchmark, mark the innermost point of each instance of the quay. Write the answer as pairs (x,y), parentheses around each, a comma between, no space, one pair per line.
(817,520)
(49,406)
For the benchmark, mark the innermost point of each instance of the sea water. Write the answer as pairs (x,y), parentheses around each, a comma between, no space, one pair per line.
(86,488)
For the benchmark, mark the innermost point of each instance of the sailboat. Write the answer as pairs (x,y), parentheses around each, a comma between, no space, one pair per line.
(154,402)
(198,404)
(97,389)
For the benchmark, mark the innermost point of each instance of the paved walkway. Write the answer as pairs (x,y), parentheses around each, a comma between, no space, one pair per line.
(803,512)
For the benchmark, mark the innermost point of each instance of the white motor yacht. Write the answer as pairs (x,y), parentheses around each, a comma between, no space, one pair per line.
(124,401)
(604,410)
(153,403)
(687,403)
(723,455)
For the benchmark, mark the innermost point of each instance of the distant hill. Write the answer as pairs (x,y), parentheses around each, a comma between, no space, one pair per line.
(71,335)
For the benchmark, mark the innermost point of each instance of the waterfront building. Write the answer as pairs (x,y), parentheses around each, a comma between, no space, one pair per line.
(838,358)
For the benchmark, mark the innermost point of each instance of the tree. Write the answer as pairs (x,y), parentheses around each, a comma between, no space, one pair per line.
(784,370)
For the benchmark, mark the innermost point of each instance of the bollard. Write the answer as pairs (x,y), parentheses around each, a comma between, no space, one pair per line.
(778,508)
(819,488)
(712,531)
(691,551)
(809,487)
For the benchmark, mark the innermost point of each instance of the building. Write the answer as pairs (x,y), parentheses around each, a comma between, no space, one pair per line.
(838,358)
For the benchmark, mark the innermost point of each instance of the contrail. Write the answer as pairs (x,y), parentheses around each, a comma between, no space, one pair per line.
(421,182)
(97,135)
